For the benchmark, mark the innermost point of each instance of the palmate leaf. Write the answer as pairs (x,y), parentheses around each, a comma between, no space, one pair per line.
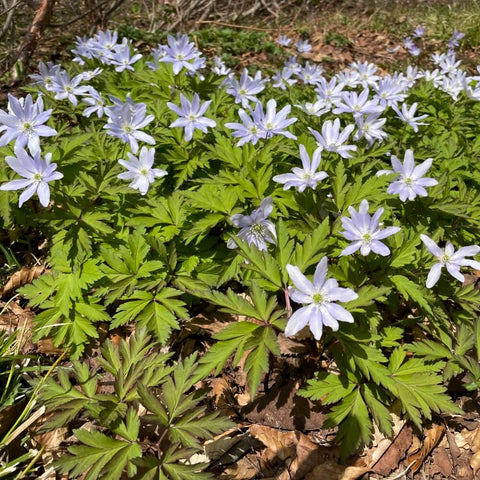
(328,388)
(238,338)
(101,456)
(355,425)
(158,312)
(168,467)
(418,387)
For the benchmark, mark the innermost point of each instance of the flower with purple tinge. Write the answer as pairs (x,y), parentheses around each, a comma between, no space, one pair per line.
(83,48)
(407,115)
(248,131)
(24,123)
(364,232)
(219,67)
(122,57)
(454,39)
(46,74)
(65,87)
(310,74)
(180,52)
(247,88)
(292,64)
(349,78)
(332,140)
(301,178)
(303,46)
(450,259)
(283,79)
(126,123)
(191,115)
(329,90)
(370,128)
(255,228)
(415,51)
(410,181)
(36,172)
(367,74)
(95,102)
(320,296)
(357,104)
(140,170)
(317,109)
(408,43)
(89,74)
(103,45)
(389,92)
(271,122)
(284,41)
(419,31)
(158,53)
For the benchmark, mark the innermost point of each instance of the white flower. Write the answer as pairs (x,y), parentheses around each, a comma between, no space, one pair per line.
(36,172)
(364,232)
(410,181)
(140,170)
(255,228)
(450,259)
(306,177)
(321,296)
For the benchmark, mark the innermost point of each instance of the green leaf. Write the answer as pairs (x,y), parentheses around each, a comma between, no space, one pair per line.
(328,388)
(101,456)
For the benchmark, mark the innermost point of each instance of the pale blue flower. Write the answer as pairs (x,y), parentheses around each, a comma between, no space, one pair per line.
(45,74)
(180,52)
(301,178)
(310,74)
(95,102)
(247,88)
(24,123)
(248,131)
(65,87)
(126,122)
(122,57)
(419,31)
(410,181)
(407,115)
(191,115)
(284,41)
(36,172)
(272,123)
(303,46)
(332,140)
(255,228)
(450,259)
(140,170)
(320,296)
(352,102)
(370,127)
(364,232)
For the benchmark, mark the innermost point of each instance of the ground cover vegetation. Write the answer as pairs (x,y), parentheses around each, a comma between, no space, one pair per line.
(196,221)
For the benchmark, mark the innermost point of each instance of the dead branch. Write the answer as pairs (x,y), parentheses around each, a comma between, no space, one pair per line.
(34,34)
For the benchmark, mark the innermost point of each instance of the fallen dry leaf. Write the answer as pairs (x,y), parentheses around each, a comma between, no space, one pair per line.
(334,471)
(246,468)
(475,462)
(297,452)
(23,276)
(432,437)
(281,443)
(395,452)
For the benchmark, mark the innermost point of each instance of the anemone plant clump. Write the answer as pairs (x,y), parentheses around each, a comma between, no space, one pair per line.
(165,185)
